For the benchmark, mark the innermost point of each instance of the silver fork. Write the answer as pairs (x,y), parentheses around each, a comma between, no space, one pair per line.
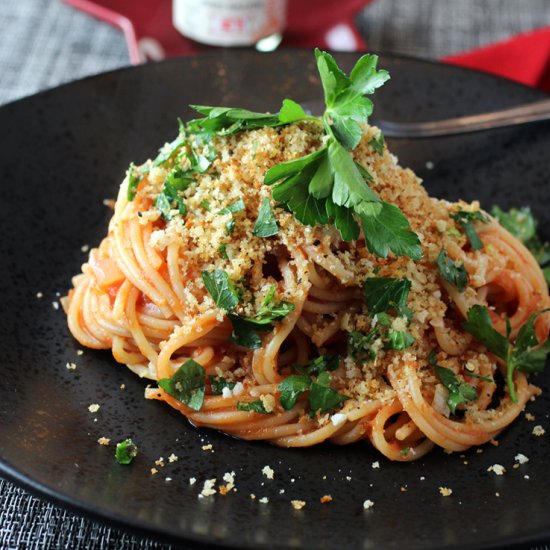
(537,111)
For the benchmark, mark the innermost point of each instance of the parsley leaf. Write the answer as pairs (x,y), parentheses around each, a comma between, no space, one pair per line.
(398,340)
(480,326)
(133,181)
(384,293)
(218,383)
(222,290)
(187,384)
(378,144)
(252,406)
(523,225)
(266,224)
(454,273)
(526,354)
(233,208)
(126,451)
(291,388)
(244,332)
(519,221)
(466,220)
(459,392)
(320,364)
(322,397)
(360,344)
(222,249)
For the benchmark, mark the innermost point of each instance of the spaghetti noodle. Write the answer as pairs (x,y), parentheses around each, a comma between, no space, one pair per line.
(350,373)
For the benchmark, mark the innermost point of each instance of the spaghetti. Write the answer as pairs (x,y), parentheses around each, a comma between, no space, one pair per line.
(334,363)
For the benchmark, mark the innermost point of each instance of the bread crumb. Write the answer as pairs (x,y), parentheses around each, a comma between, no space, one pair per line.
(497,469)
(368,504)
(264,500)
(268,472)
(168,479)
(104,441)
(298,504)
(252,496)
(172,458)
(521,458)
(530,417)
(79,352)
(192,480)
(122,386)
(268,402)
(160,462)
(207,447)
(229,478)
(154,471)
(338,419)
(538,430)
(403,489)
(208,488)
(39,295)
(55,305)
(376,465)
(325,498)
(445,491)
(71,366)
(497,494)
(494,442)
(93,408)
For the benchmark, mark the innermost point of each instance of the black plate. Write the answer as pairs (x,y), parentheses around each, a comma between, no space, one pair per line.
(63,152)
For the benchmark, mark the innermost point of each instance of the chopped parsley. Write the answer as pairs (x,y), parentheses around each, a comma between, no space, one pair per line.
(378,144)
(523,225)
(453,272)
(360,344)
(218,383)
(187,385)
(322,397)
(133,182)
(385,294)
(226,297)
(222,249)
(266,224)
(252,406)
(525,355)
(466,220)
(459,391)
(126,451)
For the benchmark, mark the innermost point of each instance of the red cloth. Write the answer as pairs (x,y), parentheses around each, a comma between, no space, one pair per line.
(147,26)
(524,58)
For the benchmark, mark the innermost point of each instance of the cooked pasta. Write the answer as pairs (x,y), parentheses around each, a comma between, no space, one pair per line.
(328,367)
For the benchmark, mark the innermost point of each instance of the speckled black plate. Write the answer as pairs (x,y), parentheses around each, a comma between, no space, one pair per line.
(62,152)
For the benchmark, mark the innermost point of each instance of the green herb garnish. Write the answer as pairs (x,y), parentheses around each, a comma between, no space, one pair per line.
(327,185)
(398,340)
(453,272)
(252,406)
(291,388)
(378,144)
(360,344)
(525,355)
(222,249)
(459,391)
(322,397)
(133,181)
(187,385)
(466,220)
(523,225)
(126,451)
(384,294)
(218,383)
(266,224)
(226,297)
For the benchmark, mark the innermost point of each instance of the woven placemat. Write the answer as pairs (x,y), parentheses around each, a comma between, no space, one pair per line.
(44,44)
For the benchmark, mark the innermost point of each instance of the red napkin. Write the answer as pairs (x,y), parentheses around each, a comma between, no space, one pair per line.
(524,58)
(147,26)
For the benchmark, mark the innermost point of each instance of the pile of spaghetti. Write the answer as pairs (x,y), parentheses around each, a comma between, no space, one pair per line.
(282,278)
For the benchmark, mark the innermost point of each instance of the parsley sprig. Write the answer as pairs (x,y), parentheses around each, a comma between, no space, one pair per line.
(328,186)
(525,354)
(466,221)
(453,272)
